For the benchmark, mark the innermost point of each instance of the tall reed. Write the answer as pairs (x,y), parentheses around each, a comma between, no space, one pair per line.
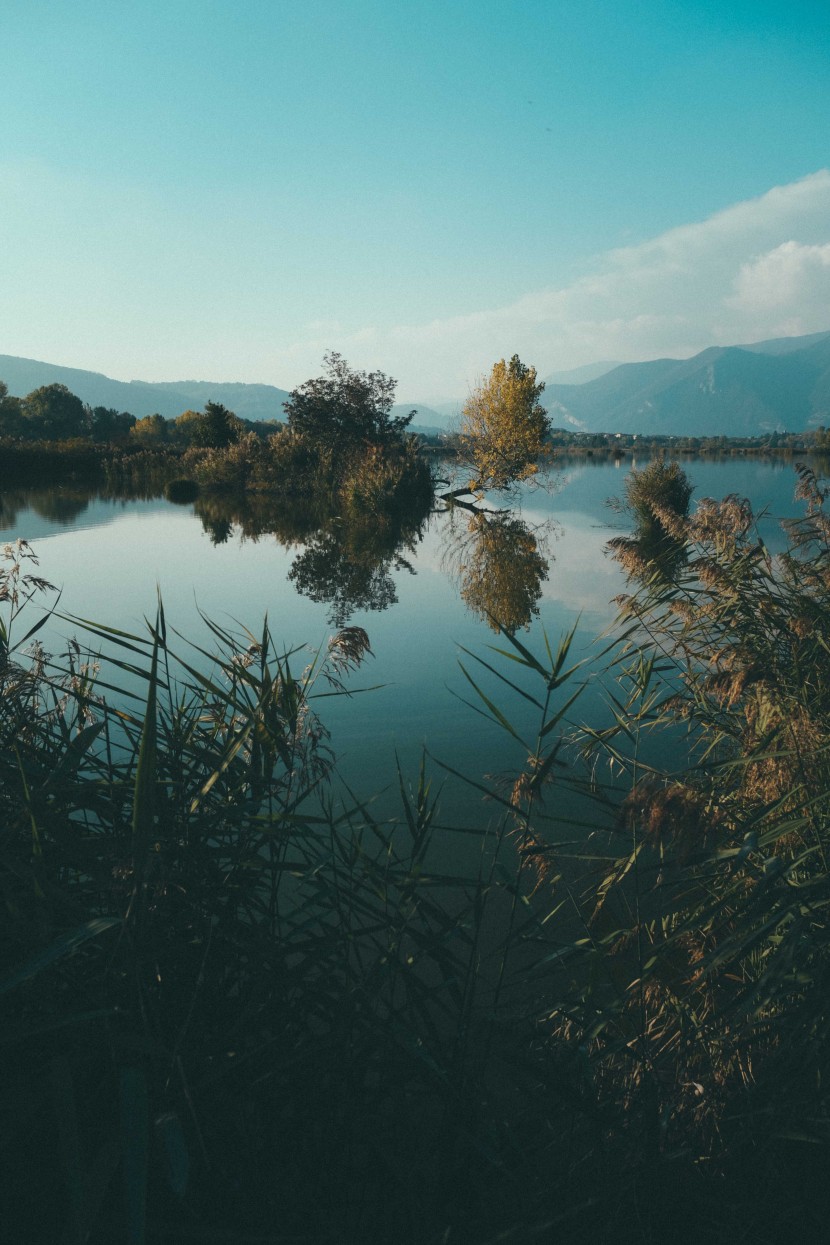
(237,1006)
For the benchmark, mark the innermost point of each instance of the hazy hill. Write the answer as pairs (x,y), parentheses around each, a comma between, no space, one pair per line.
(425,416)
(781,385)
(168,398)
(784,345)
(581,375)
(139,397)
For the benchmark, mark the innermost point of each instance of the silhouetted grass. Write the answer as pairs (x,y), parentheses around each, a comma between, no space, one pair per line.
(236,1007)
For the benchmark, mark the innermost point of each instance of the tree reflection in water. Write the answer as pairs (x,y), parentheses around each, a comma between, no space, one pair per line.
(347,560)
(500,563)
(60,505)
(349,574)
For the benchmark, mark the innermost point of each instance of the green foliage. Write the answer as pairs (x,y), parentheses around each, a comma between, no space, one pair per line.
(241,465)
(295,463)
(107,424)
(341,443)
(22,461)
(214,428)
(52,413)
(11,415)
(344,408)
(386,479)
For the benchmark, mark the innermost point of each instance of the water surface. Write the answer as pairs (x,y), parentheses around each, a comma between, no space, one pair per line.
(421,593)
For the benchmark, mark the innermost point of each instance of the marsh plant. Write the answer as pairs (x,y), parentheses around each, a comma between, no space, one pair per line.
(228,1005)
(656,500)
(682,1014)
(706,1020)
(237,1007)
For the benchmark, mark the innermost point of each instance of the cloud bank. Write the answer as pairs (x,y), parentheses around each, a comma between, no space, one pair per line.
(758,269)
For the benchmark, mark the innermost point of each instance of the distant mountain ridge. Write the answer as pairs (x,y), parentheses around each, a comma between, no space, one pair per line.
(167,398)
(778,385)
(581,375)
(140,397)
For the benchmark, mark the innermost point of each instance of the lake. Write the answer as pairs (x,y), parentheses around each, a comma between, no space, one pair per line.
(422,602)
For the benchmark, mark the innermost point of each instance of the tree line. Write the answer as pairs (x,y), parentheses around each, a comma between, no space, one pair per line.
(328,419)
(54,413)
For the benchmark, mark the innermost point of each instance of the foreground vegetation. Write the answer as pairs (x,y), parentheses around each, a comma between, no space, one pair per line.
(237,1008)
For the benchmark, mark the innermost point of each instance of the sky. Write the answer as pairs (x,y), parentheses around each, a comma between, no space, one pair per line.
(225,191)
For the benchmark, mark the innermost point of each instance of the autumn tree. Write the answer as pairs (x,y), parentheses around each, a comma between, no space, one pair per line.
(214,428)
(503,427)
(151,430)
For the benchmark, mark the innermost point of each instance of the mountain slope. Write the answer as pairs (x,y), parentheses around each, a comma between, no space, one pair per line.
(168,398)
(781,384)
(581,375)
(140,397)
(723,391)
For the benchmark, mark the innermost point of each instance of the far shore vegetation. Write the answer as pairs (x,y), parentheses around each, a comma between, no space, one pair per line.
(338,439)
(238,1007)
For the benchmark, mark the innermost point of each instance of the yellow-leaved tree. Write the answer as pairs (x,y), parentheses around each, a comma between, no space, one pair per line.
(503,427)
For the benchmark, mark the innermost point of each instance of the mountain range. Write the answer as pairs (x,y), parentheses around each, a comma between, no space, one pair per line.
(167,398)
(777,385)
(139,397)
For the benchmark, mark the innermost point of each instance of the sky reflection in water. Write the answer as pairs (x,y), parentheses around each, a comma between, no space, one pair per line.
(422,591)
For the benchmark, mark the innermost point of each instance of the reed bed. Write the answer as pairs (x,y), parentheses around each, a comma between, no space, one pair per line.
(237,1007)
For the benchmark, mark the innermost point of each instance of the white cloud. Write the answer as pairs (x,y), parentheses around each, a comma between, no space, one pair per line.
(113,276)
(760,268)
(787,278)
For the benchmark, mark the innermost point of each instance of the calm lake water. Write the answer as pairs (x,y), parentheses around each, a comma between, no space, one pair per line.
(420,605)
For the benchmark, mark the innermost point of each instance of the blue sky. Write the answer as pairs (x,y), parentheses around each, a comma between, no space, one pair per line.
(224,191)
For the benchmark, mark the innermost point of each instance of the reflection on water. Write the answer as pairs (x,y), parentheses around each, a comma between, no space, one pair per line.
(499,561)
(347,561)
(109,559)
(61,506)
(499,564)
(350,570)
